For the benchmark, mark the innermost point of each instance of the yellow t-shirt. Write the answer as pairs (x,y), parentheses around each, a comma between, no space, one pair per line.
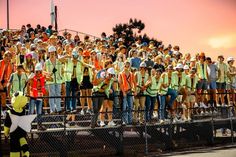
(223,72)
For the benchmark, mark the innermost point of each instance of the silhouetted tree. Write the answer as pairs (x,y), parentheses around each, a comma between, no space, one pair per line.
(127,30)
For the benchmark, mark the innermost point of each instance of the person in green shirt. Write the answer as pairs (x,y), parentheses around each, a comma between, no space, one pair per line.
(141,77)
(153,86)
(167,89)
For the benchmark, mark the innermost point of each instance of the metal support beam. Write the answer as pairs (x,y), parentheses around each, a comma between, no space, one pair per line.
(8,27)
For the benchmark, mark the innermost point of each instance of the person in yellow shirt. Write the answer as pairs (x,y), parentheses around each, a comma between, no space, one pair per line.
(141,78)
(221,82)
(192,80)
(231,81)
(202,74)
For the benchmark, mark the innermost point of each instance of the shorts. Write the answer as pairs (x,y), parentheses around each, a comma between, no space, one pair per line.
(230,86)
(179,98)
(190,99)
(74,84)
(212,85)
(4,90)
(86,84)
(221,85)
(110,98)
(202,84)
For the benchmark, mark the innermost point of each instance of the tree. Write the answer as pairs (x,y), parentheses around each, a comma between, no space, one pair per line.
(128,29)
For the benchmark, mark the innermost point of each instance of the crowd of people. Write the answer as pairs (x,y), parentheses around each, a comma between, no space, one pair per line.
(145,80)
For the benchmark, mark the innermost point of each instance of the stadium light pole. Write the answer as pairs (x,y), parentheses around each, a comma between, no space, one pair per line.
(8,15)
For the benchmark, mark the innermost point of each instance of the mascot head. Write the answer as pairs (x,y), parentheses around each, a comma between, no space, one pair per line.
(19,101)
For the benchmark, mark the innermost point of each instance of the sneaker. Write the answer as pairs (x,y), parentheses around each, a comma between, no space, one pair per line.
(184,119)
(175,120)
(184,106)
(102,124)
(82,112)
(53,113)
(208,105)
(124,124)
(141,123)
(89,111)
(67,125)
(155,115)
(74,111)
(202,112)
(218,105)
(195,105)
(3,114)
(224,105)
(111,123)
(189,118)
(202,105)
(162,121)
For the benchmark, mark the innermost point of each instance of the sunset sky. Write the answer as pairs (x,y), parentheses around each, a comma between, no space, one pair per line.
(194,25)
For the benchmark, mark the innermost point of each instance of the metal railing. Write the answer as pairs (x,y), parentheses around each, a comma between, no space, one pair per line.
(78,33)
(65,138)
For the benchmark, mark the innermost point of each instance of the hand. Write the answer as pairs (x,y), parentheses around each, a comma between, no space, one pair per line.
(94,69)
(124,94)
(164,85)
(143,88)
(110,91)
(1,87)
(8,96)
(4,85)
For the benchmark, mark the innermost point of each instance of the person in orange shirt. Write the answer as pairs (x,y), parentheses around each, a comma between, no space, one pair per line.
(36,88)
(6,69)
(127,85)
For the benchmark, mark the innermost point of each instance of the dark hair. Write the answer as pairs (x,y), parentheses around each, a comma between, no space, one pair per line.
(86,37)
(20,66)
(38,26)
(103,34)
(208,58)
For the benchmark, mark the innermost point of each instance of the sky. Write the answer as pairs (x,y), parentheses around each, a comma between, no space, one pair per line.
(194,25)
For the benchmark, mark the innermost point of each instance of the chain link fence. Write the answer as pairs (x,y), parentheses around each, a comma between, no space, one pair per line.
(70,134)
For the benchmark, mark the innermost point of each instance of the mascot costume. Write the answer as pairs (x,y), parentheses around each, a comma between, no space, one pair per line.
(17,124)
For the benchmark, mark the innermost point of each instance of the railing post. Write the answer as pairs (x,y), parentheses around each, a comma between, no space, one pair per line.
(146,140)
(1,127)
(231,124)
(213,128)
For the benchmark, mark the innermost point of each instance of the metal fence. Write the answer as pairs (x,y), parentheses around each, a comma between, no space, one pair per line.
(77,138)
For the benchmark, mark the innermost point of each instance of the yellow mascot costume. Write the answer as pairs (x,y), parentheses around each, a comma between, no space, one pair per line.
(17,124)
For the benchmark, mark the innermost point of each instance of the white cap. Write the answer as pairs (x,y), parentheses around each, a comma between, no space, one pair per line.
(32,46)
(36,40)
(38,67)
(186,67)
(120,39)
(192,59)
(143,65)
(179,66)
(31,76)
(111,71)
(18,43)
(39,40)
(74,53)
(51,49)
(230,59)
